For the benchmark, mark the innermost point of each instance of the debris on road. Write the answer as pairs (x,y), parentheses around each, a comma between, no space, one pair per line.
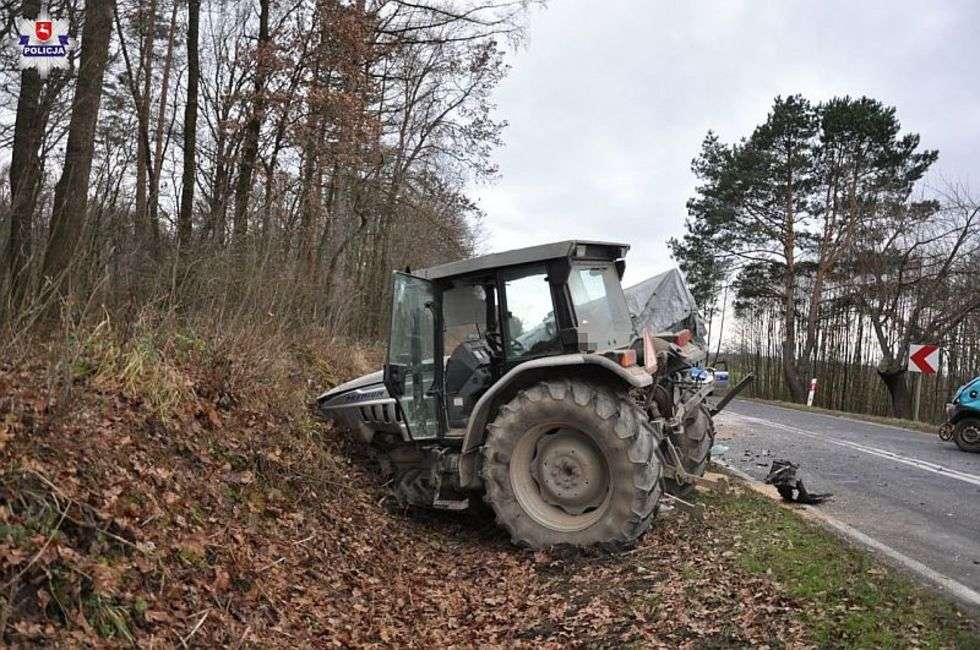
(782,475)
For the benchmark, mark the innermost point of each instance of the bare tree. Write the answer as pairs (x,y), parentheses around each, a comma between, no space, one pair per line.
(913,283)
(71,192)
(153,197)
(190,125)
(25,171)
(250,147)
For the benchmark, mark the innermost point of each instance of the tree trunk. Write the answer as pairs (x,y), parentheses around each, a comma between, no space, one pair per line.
(143,230)
(790,371)
(311,200)
(25,172)
(898,390)
(214,228)
(250,146)
(190,125)
(71,192)
(154,193)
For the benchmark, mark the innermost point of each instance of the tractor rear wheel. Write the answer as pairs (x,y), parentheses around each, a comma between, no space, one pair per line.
(966,435)
(570,462)
(693,444)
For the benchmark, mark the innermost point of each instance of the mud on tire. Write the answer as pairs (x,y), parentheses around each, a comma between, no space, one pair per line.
(568,462)
(693,444)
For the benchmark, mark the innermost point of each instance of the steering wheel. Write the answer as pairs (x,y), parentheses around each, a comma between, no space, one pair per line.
(496,342)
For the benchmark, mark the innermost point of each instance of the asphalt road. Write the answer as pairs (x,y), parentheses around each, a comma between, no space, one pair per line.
(906,489)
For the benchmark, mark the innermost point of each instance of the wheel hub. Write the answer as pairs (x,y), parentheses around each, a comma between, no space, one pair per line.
(569,471)
(971,434)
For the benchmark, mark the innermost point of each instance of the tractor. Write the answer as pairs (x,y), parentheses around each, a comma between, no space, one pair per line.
(519,376)
(963,417)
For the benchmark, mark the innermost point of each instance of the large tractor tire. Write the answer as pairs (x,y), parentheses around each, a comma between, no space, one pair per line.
(693,444)
(569,462)
(966,435)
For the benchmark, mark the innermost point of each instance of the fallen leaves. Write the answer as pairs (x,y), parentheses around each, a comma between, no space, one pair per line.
(260,525)
(214,419)
(238,478)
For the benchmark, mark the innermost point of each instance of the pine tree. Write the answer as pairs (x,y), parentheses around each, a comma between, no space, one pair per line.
(785,207)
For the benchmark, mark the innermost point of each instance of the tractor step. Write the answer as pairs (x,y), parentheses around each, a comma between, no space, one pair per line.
(451,504)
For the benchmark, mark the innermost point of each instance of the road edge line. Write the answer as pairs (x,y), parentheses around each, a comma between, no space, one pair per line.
(947,586)
(842,415)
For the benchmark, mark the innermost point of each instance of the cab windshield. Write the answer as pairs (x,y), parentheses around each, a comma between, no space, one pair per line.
(600,307)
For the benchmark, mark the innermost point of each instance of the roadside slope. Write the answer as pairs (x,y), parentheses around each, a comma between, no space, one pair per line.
(169,486)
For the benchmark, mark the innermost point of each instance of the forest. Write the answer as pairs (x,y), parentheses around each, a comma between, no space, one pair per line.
(274,159)
(824,233)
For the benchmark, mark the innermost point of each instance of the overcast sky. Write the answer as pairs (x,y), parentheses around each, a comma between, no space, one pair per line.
(608,103)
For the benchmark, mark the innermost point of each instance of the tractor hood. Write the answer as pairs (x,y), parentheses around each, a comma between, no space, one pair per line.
(361,382)
(363,405)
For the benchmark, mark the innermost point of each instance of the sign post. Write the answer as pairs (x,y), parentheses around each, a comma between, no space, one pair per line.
(812,393)
(918,397)
(923,360)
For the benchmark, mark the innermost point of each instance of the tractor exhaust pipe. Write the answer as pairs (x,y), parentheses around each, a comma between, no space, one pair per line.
(732,394)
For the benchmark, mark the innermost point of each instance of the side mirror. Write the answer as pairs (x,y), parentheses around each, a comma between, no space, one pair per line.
(394,379)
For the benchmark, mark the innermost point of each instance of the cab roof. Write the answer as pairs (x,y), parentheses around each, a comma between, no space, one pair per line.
(571,248)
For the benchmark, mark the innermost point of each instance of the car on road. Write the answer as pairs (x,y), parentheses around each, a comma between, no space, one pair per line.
(963,417)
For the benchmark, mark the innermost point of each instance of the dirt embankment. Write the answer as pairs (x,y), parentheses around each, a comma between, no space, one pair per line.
(168,487)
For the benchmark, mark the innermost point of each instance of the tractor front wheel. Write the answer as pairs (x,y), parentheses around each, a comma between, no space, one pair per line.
(569,462)
(966,435)
(693,444)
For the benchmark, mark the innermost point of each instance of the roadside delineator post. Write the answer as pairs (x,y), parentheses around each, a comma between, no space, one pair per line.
(813,392)
(917,400)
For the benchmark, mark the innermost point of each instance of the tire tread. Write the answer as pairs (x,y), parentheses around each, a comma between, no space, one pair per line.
(626,422)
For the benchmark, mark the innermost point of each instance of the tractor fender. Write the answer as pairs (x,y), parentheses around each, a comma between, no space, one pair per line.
(525,374)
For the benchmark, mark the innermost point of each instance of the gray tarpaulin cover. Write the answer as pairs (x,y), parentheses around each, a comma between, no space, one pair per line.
(665,304)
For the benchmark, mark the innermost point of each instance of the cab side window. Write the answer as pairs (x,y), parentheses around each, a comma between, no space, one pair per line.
(529,321)
(464,312)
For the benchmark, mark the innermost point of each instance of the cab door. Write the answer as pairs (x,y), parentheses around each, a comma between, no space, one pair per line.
(413,370)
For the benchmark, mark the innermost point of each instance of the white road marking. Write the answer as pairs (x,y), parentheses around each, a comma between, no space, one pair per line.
(935,468)
(957,589)
(843,416)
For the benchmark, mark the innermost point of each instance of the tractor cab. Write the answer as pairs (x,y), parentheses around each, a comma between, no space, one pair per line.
(458,328)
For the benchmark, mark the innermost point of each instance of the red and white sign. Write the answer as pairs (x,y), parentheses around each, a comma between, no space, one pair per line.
(924,358)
